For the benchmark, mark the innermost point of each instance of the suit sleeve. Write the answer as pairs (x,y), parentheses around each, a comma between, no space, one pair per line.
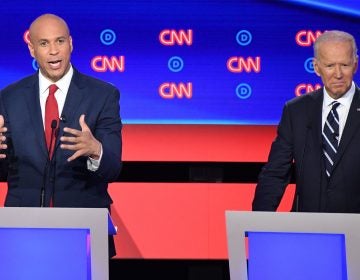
(108,132)
(275,175)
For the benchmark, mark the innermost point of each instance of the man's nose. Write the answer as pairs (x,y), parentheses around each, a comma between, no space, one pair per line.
(338,71)
(54,48)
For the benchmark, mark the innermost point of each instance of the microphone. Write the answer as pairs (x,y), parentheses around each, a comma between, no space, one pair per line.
(53,124)
(46,169)
(53,127)
(63,118)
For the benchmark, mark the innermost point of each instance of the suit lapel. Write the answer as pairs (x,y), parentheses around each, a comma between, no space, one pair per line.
(351,126)
(315,114)
(72,103)
(33,104)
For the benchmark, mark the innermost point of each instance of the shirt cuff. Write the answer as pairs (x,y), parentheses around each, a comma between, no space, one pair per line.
(93,164)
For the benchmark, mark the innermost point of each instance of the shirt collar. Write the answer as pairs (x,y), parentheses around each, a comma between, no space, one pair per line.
(343,100)
(63,84)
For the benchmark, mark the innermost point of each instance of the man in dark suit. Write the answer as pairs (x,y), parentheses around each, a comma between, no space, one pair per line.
(83,155)
(320,133)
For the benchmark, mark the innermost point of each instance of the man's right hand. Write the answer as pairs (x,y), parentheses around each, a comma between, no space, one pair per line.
(3,129)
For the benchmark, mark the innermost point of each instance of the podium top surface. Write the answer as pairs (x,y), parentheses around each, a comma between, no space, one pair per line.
(56,217)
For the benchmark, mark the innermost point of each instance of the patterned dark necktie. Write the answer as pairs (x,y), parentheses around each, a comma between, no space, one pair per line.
(331,138)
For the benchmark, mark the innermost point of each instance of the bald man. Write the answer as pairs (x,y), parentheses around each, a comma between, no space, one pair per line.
(60,130)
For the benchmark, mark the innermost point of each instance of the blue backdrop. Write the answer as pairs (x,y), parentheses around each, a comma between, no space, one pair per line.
(187,62)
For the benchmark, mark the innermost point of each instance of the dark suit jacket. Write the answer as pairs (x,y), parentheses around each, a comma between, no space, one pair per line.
(299,140)
(28,169)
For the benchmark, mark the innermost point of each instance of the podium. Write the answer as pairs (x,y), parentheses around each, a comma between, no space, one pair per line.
(274,245)
(54,243)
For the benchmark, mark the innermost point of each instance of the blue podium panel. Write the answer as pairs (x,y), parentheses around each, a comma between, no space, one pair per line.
(40,253)
(296,256)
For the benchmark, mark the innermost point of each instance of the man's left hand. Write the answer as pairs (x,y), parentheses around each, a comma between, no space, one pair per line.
(81,141)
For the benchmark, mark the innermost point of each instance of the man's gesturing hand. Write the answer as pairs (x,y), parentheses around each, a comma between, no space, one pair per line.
(3,129)
(81,141)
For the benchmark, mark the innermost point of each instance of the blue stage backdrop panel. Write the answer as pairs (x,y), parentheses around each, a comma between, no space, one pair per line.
(35,253)
(187,62)
(296,256)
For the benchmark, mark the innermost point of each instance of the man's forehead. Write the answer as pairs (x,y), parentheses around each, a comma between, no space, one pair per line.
(50,31)
(50,38)
(48,25)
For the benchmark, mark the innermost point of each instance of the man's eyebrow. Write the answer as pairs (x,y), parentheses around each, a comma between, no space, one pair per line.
(42,40)
(57,38)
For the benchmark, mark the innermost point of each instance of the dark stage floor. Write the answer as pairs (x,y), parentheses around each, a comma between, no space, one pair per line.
(126,269)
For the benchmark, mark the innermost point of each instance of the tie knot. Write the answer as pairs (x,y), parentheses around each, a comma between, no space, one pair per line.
(335,104)
(52,89)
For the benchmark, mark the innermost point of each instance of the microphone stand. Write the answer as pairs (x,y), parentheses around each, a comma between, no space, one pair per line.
(46,169)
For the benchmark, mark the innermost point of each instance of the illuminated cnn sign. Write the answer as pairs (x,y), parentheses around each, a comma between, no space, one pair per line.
(171,37)
(306,88)
(103,63)
(173,90)
(240,64)
(306,38)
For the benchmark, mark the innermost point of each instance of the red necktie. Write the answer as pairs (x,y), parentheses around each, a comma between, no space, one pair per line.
(51,116)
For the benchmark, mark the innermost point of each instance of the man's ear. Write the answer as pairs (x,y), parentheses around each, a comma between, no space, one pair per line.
(31,49)
(356,65)
(316,66)
(71,45)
